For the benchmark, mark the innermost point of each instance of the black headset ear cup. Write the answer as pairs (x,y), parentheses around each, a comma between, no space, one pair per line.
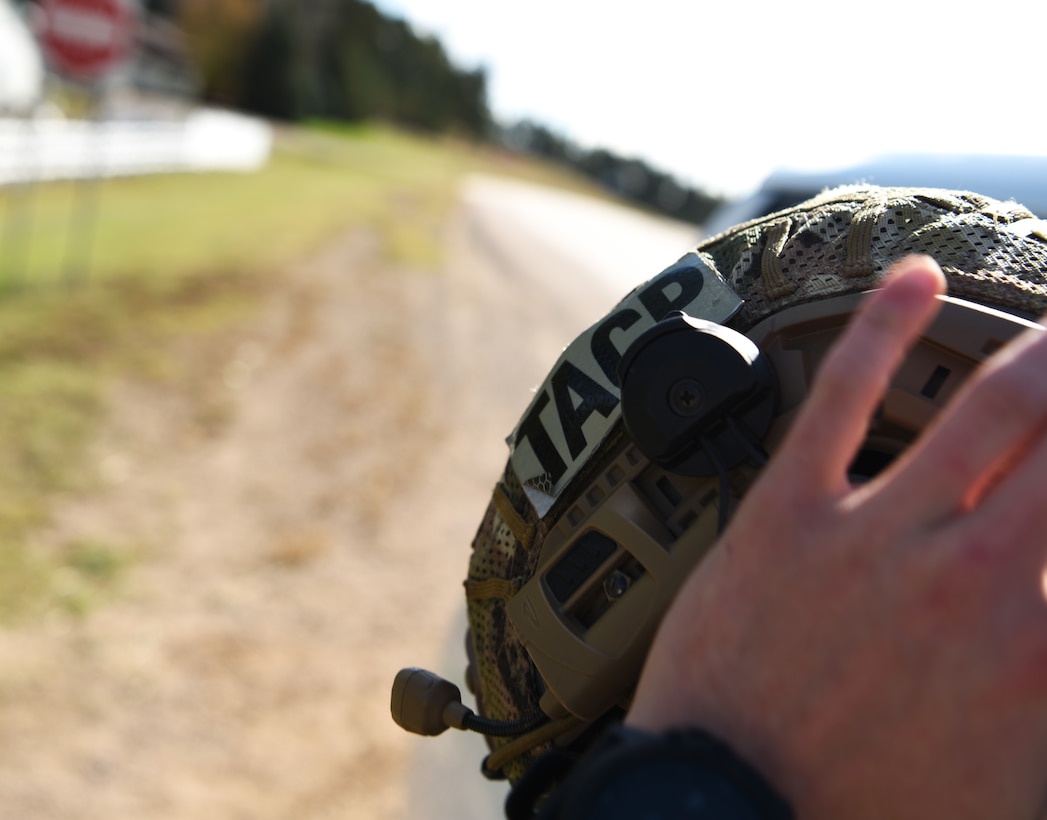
(697,397)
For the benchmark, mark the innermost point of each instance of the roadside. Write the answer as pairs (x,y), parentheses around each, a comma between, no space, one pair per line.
(304,517)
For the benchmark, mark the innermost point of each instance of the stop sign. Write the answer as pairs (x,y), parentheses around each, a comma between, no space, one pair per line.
(84,38)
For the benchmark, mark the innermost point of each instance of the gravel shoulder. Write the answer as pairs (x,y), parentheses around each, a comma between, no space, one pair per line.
(304,518)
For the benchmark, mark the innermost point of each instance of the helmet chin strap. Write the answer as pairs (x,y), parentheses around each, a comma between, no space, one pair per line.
(757,457)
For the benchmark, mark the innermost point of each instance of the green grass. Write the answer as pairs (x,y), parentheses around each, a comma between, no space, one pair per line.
(97,280)
(317,182)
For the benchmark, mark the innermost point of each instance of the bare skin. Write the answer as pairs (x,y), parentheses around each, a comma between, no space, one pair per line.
(881,651)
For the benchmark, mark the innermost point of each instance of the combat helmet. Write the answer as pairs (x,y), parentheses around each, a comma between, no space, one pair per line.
(653,423)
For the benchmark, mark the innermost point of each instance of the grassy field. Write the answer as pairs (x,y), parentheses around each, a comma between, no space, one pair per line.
(97,279)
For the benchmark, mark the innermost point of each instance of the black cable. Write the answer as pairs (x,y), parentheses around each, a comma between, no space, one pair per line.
(750,442)
(721,472)
(504,728)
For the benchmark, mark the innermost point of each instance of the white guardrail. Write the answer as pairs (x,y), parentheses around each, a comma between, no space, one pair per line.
(204,140)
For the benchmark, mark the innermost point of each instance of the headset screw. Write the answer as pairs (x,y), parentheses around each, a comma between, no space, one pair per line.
(616,585)
(685,397)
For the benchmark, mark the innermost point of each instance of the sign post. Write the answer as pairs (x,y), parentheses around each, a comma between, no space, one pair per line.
(84,41)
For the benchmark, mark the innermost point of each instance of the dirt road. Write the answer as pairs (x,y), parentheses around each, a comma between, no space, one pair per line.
(303,518)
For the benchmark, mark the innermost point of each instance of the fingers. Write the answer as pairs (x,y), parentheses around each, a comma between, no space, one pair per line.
(988,427)
(853,377)
(1010,521)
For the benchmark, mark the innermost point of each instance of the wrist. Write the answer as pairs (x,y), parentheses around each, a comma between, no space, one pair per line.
(631,773)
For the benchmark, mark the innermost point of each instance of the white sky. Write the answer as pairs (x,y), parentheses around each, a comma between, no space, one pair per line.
(721,93)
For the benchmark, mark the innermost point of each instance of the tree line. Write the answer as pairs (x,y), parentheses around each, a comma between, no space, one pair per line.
(345,60)
(326,59)
(629,177)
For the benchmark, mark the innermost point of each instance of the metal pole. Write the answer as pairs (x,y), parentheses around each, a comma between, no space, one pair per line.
(18,213)
(87,191)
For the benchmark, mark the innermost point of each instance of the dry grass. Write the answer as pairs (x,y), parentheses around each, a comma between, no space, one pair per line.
(103,281)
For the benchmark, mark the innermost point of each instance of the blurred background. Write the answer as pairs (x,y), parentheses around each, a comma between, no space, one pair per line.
(278,277)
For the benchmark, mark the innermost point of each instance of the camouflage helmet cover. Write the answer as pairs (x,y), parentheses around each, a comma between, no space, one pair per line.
(993,253)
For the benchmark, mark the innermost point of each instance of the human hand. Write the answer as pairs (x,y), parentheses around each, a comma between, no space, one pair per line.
(880,651)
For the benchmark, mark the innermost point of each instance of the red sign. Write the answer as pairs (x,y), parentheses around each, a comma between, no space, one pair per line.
(85,38)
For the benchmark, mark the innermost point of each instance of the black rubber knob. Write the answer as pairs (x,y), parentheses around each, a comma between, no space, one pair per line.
(682,381)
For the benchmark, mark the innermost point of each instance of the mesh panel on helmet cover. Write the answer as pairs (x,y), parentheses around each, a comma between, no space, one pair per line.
(841,242)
